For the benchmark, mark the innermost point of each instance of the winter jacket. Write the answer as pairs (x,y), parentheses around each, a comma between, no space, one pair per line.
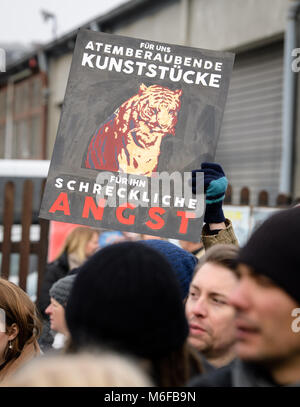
(216,378)
(207,367)
(224,236)
(55,270)
(237,374)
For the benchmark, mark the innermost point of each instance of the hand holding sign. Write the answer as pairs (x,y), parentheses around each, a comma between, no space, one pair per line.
(215,185)
(136,119)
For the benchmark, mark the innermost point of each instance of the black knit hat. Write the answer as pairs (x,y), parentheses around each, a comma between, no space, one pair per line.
(126,296)
(274,251)
(61,289)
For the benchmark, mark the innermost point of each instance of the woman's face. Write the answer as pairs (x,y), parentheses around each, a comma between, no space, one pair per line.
(56,314)
(92,245)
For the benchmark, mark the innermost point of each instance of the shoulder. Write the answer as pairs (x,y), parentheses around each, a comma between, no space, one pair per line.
(217,378)
(59,265)
(29,352)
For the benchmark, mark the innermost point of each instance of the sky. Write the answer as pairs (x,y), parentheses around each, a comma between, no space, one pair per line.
(21,20)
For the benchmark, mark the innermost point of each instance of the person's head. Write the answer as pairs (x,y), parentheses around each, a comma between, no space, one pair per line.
(209,314)
(182,262)
(59,294)
(268,291)
(22,325)
(81,241)
(108,237)
(81,370)
(190,246)
(126,297)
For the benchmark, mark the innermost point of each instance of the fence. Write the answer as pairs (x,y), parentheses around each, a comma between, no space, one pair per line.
(262,198)
(25,247)
(246,216)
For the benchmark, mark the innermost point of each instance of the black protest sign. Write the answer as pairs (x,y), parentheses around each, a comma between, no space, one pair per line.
(137,117)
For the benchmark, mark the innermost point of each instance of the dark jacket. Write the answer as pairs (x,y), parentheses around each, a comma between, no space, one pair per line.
(206,365)
(55,270)
(216,378)
(237,374)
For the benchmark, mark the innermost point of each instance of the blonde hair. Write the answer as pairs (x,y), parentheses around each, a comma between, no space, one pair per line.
(76,242)
(80,370)
(19,310)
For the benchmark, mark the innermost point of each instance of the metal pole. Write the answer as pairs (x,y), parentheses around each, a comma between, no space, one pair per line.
(289,97)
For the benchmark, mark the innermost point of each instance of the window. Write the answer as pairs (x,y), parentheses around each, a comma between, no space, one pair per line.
(27,138)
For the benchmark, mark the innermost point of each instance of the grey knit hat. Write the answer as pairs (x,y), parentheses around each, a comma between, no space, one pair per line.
(61,289)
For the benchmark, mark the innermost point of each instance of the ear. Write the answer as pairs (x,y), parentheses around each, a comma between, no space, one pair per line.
(142,88)
(13,332)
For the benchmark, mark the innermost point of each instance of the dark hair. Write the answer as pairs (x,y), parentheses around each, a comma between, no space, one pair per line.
(177,368)
(222,254)
(172,370)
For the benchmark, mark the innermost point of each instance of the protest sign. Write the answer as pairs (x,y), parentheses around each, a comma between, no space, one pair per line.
(137,117)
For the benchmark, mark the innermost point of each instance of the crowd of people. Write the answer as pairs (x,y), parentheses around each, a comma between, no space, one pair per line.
(147,312)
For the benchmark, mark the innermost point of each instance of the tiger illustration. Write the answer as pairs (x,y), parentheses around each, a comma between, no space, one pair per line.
(129,140)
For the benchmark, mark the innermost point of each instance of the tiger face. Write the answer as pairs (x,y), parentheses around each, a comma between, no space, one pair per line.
(158,107)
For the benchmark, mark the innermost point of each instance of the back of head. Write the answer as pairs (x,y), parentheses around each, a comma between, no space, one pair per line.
(81,370)
(126,296)
(182,262)
(273,251)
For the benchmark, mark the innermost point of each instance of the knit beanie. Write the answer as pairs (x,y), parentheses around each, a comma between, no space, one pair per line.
(182,262)
(126,297)
(273,250)
(61,289)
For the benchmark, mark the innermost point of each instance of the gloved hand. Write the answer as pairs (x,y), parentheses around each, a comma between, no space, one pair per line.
(215,185)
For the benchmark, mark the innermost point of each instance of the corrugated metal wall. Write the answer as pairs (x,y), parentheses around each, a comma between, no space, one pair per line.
(249,147)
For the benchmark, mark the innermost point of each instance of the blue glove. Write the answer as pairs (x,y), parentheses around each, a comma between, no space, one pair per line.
(215,185)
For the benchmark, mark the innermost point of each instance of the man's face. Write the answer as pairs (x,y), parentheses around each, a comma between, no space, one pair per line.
(263,319)
(210,317)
